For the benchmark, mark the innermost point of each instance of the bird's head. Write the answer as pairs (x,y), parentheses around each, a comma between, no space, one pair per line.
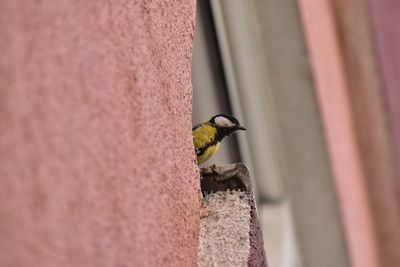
(226,124)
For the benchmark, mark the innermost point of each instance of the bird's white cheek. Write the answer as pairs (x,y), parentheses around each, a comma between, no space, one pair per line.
(223,122)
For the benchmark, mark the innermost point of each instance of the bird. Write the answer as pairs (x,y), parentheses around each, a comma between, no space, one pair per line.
(207,136)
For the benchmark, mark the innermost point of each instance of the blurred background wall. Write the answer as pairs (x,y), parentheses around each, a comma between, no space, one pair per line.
(316,84)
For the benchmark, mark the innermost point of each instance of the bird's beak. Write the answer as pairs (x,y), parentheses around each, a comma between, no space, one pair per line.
(240,127)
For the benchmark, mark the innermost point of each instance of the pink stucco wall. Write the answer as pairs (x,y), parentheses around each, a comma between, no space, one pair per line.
(96,159)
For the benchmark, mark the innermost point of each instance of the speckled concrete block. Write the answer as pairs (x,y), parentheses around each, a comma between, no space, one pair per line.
(230,233)
(224,233)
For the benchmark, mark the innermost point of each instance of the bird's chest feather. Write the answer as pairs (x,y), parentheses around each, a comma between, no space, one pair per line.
(205,142)
(204,136)
(208,153)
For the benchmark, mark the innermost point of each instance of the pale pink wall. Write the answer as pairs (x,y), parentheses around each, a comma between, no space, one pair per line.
(333,95)
(96,158)
(386,19)
(370,117)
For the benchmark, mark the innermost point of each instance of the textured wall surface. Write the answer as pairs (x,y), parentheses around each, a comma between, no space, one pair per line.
(224,233)
(96,159)
(230,233)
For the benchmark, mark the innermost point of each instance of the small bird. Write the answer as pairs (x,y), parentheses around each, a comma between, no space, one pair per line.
(207,136)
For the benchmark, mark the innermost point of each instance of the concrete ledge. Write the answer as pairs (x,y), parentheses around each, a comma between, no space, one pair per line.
(230,233)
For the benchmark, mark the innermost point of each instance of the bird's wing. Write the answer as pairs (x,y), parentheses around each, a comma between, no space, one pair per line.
(204,134)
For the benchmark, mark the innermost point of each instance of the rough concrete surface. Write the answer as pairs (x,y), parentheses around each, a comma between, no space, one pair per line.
(96,158)
(230,233)
(257,256)
(224,233)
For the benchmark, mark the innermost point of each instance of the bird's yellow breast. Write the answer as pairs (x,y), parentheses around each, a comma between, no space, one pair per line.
(205,136)
(208,153)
